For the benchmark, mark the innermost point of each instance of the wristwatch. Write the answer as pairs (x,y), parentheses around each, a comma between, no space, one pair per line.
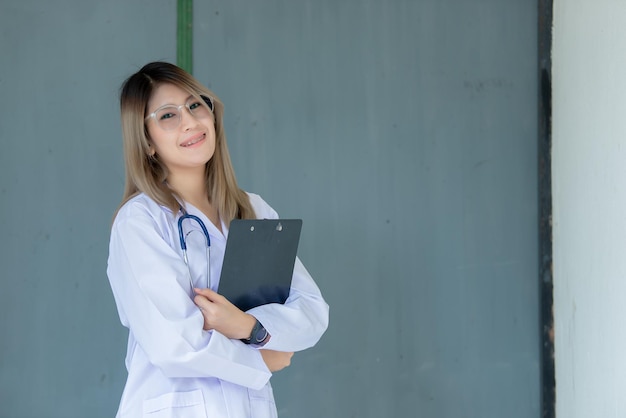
(259,335)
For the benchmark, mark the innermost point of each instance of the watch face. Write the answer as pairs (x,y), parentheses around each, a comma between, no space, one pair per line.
(261,334)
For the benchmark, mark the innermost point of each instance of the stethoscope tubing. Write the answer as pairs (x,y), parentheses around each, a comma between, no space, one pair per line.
(183,245)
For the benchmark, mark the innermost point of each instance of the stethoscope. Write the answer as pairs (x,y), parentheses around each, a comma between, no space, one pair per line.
(183,245)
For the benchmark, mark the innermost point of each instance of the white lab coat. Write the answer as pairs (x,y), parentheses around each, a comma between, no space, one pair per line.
(175,369)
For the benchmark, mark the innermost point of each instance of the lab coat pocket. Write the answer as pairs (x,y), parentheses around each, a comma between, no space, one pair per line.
(262,403)
(176,405)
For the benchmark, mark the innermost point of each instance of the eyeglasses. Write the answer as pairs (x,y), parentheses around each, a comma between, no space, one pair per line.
(168,117)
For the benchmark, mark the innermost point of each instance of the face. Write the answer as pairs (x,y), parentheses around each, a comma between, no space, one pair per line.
(191,144)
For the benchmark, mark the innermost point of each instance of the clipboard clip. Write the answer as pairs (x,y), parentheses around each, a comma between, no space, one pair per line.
(279,227)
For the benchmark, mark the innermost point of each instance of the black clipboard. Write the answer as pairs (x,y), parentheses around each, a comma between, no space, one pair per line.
(259,260)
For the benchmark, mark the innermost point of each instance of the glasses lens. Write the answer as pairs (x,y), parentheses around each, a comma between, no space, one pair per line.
(199,108)
(168,117)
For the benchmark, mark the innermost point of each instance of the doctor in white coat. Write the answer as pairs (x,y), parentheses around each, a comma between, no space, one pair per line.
(191,353)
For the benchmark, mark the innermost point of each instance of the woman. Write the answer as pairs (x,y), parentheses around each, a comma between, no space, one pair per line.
(191,353)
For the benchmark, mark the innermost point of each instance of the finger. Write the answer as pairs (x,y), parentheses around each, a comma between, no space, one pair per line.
(207,293)
(202,302)
(202,291)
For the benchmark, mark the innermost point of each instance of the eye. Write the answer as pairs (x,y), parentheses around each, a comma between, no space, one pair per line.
(194,105)
(167,115)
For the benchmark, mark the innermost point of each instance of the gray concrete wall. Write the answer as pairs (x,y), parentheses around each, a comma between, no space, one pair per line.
(402,132)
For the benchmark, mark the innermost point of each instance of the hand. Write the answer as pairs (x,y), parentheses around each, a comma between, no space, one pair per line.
(276,360)
(222,316)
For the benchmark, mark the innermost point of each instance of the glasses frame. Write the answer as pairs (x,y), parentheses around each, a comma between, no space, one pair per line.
(207,100)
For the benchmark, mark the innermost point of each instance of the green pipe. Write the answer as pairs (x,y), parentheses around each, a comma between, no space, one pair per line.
(184,35)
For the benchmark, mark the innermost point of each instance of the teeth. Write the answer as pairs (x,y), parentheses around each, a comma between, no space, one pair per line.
(187,144)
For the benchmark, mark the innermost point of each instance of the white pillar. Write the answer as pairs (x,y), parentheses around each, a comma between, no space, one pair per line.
(589,207)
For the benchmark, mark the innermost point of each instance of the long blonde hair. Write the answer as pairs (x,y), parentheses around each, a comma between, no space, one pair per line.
(147,174)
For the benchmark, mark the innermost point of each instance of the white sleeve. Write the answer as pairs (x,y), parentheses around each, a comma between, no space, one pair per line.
(301,321)
(151,290)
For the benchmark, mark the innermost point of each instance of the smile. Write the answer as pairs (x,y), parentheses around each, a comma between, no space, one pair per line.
(193,141)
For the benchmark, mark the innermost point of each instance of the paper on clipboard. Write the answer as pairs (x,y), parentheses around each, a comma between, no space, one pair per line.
(258,261)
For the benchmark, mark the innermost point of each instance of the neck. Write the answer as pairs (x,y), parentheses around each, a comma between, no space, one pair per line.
(190,186)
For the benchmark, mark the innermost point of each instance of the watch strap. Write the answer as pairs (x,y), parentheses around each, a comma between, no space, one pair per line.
(258,336)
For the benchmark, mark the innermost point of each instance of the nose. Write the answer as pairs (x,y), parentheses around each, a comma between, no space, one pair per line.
(187,119)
